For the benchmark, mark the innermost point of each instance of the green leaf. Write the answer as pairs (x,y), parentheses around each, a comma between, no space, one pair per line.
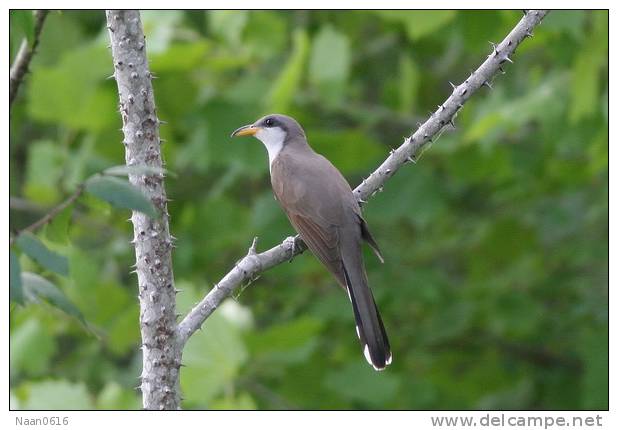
(566,21)
(586,73)
(289,342)
(16,293)
(266,33)
(357,381)
(329,66)
(409,80)
(181,57)
(121,194)
(593,348)
(31,348)
(213,358)
(349,150)
(160,26)
(36,287)
(419,23)
(25,20)
(213,355)
(57,395)
(46,164)
(74,90)
(114,396)
(58,229)
(228,24)
(124,170)
(242,402)
(290,77)
(40,253)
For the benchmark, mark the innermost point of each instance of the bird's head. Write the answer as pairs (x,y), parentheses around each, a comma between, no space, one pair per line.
(274,130)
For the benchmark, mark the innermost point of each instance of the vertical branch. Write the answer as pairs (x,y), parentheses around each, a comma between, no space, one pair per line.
(153,243)
(24,55)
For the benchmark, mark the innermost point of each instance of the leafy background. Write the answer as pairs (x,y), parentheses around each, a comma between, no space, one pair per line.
(495,286)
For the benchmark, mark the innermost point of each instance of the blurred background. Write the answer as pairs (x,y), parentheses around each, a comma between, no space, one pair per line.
(495,286)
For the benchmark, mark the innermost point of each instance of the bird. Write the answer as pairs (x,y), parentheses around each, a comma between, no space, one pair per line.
(322,208)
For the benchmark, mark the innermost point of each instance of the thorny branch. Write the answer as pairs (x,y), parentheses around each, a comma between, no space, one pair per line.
(161,352)
(253,263)
(24,55)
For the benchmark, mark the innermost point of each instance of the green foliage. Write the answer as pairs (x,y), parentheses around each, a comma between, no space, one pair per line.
(421,23)
(495,286)
(24,20)
(32,347)
(47,258)
(358,383)
(37,288)
(329,66)
(70,93)
(54,395)
(120,193)
(288,81)
(16,292)
(213,360)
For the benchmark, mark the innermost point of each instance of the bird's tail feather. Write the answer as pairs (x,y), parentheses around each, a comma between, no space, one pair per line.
(369,326)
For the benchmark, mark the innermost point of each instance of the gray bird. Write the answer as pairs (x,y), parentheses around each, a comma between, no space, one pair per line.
(322,208)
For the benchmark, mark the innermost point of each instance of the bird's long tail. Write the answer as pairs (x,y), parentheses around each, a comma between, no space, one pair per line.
(369,326)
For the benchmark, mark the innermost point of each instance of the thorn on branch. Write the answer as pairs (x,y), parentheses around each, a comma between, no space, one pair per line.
(252,248)
(494,47)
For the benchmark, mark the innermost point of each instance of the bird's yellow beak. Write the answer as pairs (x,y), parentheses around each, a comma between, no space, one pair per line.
(247,130)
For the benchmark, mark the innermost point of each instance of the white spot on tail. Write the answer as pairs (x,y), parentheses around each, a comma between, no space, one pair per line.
(358,332)
(349,295)
(368,358)
(389,360)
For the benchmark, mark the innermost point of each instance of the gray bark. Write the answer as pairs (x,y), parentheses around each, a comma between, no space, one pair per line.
(153,244)
(253,263)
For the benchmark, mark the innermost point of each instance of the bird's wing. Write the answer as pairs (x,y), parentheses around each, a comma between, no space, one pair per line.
(322,241)
(312,193)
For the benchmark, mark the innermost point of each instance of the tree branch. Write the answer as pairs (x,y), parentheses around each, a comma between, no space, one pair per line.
(24,55)
(51,214)
(253,264)
(161,352)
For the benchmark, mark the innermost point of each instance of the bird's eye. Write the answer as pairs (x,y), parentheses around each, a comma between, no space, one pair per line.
(269,122)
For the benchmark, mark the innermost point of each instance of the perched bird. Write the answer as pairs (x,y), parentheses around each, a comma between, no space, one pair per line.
(322,208)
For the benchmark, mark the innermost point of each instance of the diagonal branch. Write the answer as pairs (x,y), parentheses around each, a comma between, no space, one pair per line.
(48,217)
(24,55)
(253,263)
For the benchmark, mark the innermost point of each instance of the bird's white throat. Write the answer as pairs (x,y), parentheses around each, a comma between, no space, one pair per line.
(272,138)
